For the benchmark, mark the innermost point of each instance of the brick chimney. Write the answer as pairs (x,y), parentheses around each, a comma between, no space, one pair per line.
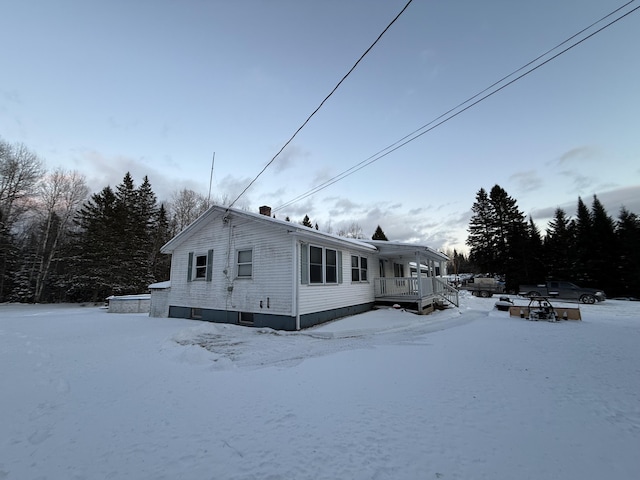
(265,210)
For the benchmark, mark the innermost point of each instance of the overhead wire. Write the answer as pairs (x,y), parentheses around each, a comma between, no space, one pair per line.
(432,124)
(321,104)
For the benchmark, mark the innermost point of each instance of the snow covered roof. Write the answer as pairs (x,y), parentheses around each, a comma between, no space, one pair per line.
(390,248)
(217,211)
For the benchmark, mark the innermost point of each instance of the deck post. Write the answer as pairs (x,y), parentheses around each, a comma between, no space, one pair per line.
(419,274)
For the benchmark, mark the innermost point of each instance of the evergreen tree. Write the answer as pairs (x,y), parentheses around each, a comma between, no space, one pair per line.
(94,253)
(160,263)
(145,224)
(7,258)
(306,222)
(581,244)
(481,233)
(116,248)
(379,235)
(534,265)
(628,262)
(498,236)
(603,248)
(558,251)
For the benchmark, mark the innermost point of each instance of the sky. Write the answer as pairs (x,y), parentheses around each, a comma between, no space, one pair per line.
(158,88)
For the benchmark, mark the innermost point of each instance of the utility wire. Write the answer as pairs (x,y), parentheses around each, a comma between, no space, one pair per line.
(419,132)
(321,104)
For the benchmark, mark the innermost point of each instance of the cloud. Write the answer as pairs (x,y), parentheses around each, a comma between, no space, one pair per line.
(579,154)
(612,200)
(344,206)
(288,158)
(528,181)
(101,171)
(11,96)
(321,175)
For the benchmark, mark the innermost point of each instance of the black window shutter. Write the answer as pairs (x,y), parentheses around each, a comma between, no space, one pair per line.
(304,263)
(209,265)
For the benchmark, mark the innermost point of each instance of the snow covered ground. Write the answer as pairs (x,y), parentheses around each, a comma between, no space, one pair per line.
(466,393)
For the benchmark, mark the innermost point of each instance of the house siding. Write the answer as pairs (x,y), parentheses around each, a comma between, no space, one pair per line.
(268,291)
(327,297)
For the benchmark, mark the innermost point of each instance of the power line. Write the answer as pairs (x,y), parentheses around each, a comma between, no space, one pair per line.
(321,104)
(432,124)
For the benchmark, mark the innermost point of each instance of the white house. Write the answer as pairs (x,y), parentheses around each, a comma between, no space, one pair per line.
(233,266)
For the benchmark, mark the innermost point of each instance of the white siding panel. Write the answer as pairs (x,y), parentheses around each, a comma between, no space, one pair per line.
(318,298)
(271,270)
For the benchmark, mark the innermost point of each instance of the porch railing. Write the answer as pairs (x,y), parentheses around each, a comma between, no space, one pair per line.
(408,287)
(402,287)
(446,291)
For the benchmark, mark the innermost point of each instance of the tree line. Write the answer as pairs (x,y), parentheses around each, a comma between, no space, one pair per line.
(592,248)
(59,244)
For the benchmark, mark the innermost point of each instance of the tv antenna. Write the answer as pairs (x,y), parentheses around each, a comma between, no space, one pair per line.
(213,161)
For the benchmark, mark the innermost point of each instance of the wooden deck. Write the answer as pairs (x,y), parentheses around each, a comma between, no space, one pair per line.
(422,291)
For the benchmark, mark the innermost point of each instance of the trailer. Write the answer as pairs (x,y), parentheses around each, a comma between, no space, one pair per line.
(485,287)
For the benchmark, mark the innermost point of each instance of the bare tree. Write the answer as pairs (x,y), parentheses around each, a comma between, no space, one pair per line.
(184,207)
(354,230)
(20,170)
(61,195)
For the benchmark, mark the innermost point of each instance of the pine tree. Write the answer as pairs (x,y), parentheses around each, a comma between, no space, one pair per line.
(481,233)
(7,258)
(582,244)
(379,235)
(145,218)
(160,263)
(603,247)
(93,254)
(558,251)
(498,236)
(534,264)
(628,262)
(306,222)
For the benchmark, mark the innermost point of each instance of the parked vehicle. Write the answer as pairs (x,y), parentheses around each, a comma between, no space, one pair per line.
(564,290)
(485,286)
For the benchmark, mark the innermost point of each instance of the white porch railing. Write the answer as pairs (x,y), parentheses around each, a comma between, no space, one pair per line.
(403,286)
(408,287)
(446,291)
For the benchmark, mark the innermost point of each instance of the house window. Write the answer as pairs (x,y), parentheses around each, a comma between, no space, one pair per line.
(323,265)
(358,269)
(398,270)
(200,266)
(245,263)
(245,318)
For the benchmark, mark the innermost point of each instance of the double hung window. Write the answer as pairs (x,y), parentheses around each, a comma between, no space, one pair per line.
(323,265)
(200,266)
(245,263)
(359,269)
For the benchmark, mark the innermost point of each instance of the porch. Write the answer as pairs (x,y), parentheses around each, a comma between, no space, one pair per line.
(424,286)
(423,291)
